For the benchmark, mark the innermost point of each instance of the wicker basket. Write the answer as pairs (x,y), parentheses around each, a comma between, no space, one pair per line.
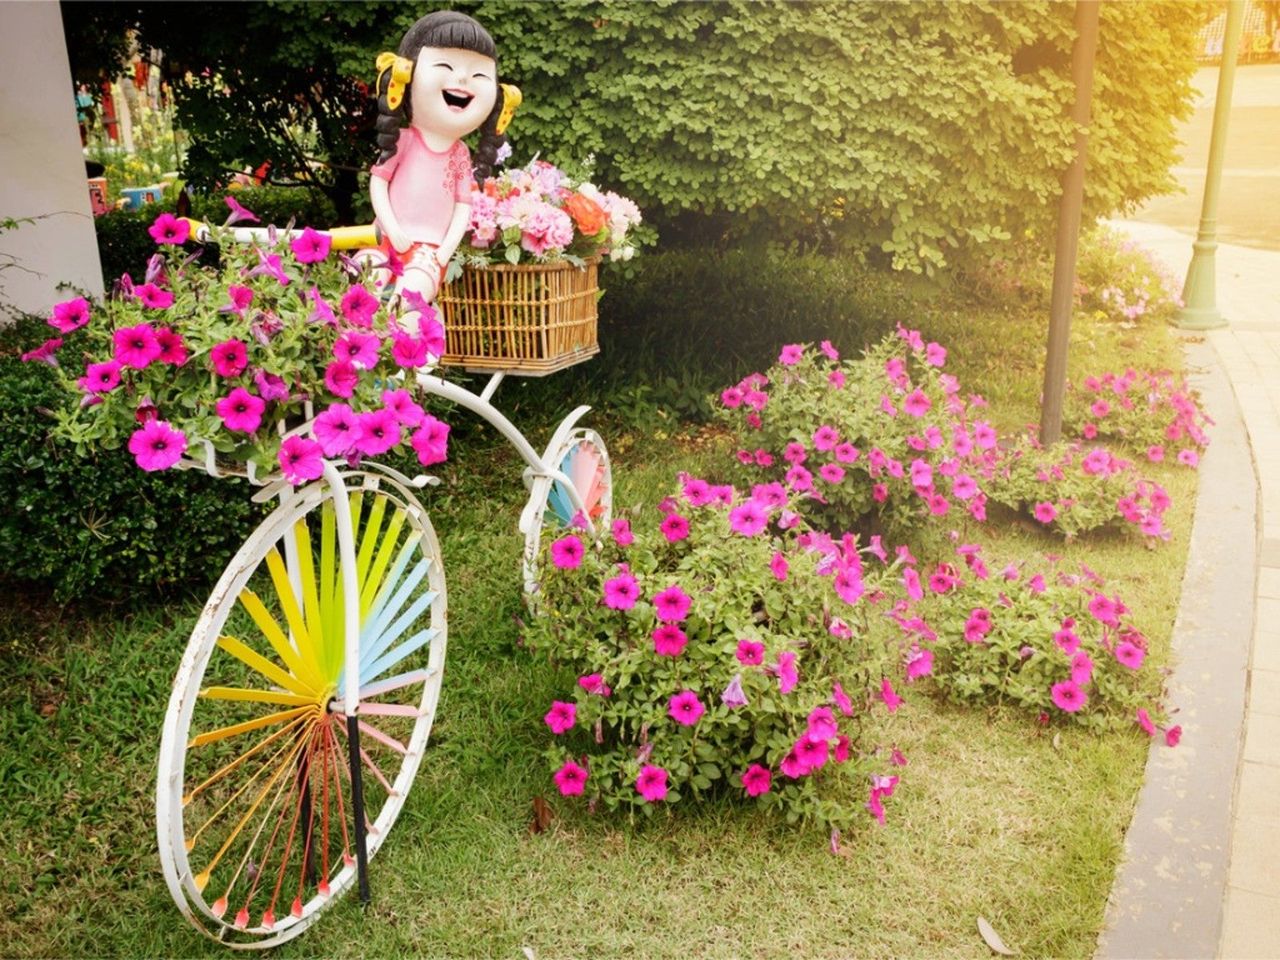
(529,319)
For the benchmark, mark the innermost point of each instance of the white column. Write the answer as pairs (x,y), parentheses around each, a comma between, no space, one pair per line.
(41,164)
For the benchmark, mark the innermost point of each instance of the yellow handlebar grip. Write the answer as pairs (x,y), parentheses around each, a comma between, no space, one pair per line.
(352,238)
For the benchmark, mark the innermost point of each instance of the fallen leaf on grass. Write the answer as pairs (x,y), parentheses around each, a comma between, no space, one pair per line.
(1057,741)
(541,818)
(993,939)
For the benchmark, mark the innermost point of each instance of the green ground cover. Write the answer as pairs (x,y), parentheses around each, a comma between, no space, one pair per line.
(995,815)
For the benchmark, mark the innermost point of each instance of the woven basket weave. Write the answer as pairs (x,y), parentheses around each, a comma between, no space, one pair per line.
(530,319)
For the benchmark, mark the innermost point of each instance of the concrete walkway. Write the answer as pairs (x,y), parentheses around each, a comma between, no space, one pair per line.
(1245,921)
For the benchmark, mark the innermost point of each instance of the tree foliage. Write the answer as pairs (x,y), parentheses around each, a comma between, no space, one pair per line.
(924,131)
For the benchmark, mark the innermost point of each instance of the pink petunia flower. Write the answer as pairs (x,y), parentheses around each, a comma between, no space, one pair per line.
(379,431)
(1144,721)
(812,753)
(917,403)
(300,460)
(402,405)
(750,653)
(1081,668)
(821,724)
(241,299)
(791,354)
(919,664)
(169,229)
(269,265)
(70,315)
(1129,654)
(747,519)
(567,552)
(45,353)
(153,297)
(172,349)
(788,675)
(157,446)
(594,684)
(136,346)
(757,780)
(935,354)
(621,530)
(336,430)
(431,441)
(1173,736)
(310,246)
(825,438)
(669,640)
(341,378)
(1069,696)
(561,717)
(101,377)
(238,212)
(1155,453)
(672,604)
(831,472)
(891,699)
(674,527)
(1188,458)
(841,699)
(621,592)
(358,349)
(407,351)
(229,358)
(778,566)
(831,352)
(571,779)
(358,306)
(241,411)
(652,783)
(1045,512)
(1066,640)
(792,766)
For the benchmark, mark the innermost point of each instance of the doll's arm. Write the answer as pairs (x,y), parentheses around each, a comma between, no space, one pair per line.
(380,196)
(453,236)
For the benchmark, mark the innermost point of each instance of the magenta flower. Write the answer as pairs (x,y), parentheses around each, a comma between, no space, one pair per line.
(45,353)
(674,527)
(567,552)
(571,779)
(152,297)
(731,397)
(757,780)
(1188,458)
(101,377)
(594,684)
(358,349)
(769,494)
(733,696)
(672,604)
(136,346)
(841,699)
(1045,512)
(241,411)
(1081,668)
(431,441)
(1069,696)
(747,518)
(811,753)
(229,358)
(321,312)
(791,354)
(172,350)
(1144,721)
(750,653)
(799,479)
(788,675)
(336,430)
(792,766)
(359,305)
(652,783)
(300,460)
(241,298)
(622,592)
(341,378)
(1155,453)
(822,724)
(917,403)
(836,378)
(432,332)
(935,354)
(1066,640)
(379,431)
(310,246)
(70,315)
(1105,610)
(685,708)
(889,696)
(408,351)
(1129,654)
(621,531)
(561,716)
(848,583)
(169,229)
(919,664)
(238,212)
(1173,736)
(269,265)
(157,446)
(669,640)
(778,566)
(825,438)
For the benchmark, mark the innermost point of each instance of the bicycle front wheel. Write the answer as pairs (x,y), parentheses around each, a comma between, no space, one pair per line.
(254,800)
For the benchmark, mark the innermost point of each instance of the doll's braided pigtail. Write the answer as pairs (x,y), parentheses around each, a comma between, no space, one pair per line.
(493,130)
(394,110)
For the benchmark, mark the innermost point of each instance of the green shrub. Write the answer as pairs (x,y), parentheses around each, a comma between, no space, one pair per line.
(97,528)
(718,649)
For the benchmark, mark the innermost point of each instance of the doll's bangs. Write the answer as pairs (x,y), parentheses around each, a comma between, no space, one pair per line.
(448,29)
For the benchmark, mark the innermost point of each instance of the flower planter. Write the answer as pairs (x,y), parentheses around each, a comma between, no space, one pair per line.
(527,319)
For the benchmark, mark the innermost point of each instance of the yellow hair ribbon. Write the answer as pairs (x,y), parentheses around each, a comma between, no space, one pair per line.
(511,98)
(401,73)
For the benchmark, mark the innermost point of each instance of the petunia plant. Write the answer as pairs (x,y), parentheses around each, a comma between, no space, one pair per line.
(1058,644)
(886,433)
(720,646)
(1152,412)
(279,356)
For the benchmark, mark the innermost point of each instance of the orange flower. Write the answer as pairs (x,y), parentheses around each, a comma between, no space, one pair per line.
(586,213)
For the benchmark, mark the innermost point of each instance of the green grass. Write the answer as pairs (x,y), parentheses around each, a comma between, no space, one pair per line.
(991,818)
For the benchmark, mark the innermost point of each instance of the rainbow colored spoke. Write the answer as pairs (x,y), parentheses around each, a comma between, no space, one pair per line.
(397,655)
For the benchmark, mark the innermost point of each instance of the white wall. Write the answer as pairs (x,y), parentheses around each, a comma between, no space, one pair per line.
(41,163)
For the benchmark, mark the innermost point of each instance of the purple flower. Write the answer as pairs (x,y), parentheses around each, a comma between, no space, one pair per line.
(269,265)
(238,212)
(270,387)
(733,695)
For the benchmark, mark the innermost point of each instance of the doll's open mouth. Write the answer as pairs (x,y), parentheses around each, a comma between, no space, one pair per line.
(457,99)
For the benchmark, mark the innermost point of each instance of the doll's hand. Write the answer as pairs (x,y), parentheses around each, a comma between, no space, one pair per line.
(400,241)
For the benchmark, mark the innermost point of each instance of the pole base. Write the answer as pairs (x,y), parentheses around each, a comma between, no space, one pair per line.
(1199,318)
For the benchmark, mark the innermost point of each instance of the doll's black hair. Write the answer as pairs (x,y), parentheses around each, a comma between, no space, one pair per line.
(449,29)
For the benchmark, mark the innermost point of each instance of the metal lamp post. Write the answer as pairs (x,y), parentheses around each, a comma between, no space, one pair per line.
(1199,294)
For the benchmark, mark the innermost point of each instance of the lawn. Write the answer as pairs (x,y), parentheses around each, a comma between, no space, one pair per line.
(995,815)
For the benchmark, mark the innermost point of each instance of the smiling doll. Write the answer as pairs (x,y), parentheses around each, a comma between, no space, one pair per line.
(443,84)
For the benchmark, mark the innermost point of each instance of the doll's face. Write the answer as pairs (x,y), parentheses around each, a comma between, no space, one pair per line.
(453,90)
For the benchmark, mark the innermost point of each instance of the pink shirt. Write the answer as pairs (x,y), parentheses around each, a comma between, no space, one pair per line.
(425,185)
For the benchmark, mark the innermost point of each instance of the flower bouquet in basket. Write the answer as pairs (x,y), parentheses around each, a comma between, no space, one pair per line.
(521,290)
(277,357)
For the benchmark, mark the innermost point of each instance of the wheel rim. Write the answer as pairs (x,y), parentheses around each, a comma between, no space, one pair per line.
(254,811)
(584,459)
